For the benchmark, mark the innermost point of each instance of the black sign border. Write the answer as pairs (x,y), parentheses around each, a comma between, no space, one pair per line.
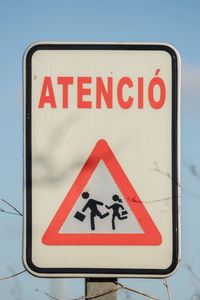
(96,272)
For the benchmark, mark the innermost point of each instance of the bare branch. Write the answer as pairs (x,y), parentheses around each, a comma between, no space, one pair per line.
(193,169)
(37,290)
(14,285)
(166,174)
(134,291)
(184,190)
(151,201)
(104,293)
(98,295)
(85,297)
(8,212)
(13,207)
(192,272)
(11,276)
(167,287)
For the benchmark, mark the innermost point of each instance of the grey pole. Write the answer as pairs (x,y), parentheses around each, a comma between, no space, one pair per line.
(97,286)
(59,288)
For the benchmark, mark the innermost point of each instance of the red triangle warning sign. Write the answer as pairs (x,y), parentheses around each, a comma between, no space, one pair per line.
(137,226)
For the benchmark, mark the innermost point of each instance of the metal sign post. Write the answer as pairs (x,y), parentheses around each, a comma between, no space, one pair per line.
(104,288)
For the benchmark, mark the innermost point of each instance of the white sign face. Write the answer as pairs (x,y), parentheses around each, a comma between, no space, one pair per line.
(101,164)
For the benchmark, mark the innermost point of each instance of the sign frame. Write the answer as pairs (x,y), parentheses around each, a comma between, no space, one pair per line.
(175,134)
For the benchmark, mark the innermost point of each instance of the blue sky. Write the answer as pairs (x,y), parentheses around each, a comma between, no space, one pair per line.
(25,22)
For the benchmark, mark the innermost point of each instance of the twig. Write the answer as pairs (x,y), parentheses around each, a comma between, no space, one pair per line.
(37,290)
(193,170)
(15,286)
(167,287)
(134,291)
(166,174)
(11,276)
(104,293)
(192,272)
(151,201)
(13,207)
(98,295)
(184,190)
(8,212)
(85,297)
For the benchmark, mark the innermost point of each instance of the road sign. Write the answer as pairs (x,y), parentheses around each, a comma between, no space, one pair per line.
(101,160)
(106,185)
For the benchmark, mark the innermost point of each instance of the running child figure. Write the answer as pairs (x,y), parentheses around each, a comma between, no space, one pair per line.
(115,210)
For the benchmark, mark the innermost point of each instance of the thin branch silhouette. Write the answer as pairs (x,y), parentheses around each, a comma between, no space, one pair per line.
(193,170)
(15,286)
(183,189)
(17,212)
(85,297)
(167,287)
(151,201)
(8,212)
(121,286)
(187,266)
(46,294)
(135,291)
(11,276)
(166,174)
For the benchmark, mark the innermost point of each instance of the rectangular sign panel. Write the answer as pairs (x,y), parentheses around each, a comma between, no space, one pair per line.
(101,168)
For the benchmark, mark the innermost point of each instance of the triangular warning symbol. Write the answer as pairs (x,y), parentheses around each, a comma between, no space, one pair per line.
(148,235)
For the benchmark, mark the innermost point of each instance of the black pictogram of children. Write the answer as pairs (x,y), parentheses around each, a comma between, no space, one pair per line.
(115,210)
(118,210)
